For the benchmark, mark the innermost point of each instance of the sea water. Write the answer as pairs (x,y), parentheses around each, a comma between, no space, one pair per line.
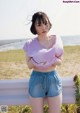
(18,44)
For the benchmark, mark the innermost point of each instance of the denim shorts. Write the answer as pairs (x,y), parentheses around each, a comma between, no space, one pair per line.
(45,84)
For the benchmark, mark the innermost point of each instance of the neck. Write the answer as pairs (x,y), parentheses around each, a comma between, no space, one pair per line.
(43,37)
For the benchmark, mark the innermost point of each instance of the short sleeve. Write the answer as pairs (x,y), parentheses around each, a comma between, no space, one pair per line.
(59,47)
(25,47)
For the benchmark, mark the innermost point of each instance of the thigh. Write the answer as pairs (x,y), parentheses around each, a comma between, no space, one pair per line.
(55,103)
(37,104)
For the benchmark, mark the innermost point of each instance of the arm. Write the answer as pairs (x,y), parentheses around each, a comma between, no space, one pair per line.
(28,61)
(58,60)
(59,51)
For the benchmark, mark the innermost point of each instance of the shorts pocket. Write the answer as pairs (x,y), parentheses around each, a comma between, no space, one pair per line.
(58,82)
(57,77)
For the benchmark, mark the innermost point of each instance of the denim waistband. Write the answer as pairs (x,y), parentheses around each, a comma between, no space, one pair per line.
(39,72)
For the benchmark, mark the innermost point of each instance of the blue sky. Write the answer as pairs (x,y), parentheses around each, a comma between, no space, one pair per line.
(16,14)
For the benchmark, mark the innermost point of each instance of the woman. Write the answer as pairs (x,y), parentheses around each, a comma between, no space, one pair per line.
(43,54)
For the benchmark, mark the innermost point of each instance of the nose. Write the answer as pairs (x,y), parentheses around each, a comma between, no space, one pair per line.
(43,26)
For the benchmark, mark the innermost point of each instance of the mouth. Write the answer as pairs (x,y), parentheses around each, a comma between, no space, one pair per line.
(44,32)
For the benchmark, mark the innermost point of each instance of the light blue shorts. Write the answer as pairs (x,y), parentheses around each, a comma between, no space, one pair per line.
(45,84)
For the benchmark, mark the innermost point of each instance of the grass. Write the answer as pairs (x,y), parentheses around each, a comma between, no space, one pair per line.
(13,65)
(71,61)
(12,56)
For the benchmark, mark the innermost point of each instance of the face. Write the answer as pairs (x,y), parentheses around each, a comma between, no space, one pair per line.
(42,27)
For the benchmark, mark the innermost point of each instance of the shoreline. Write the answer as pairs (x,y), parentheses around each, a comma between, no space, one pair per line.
(13,48)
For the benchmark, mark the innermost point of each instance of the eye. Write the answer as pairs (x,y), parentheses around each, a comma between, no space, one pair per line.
(46,22)
(38,24)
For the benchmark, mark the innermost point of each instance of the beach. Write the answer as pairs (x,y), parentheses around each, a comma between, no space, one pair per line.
(13,63)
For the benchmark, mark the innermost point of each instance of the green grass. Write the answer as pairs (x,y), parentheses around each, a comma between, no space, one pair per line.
(13,65)
(12,56)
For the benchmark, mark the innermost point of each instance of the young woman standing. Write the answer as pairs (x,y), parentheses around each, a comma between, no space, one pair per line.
(43,55)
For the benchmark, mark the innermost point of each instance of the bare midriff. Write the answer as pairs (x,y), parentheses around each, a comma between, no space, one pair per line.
(51,68)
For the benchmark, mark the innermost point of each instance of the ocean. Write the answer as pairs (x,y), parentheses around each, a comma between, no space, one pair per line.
(6,45)
(71,40)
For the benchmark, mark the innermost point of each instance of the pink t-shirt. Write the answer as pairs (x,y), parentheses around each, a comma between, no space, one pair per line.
(40,56)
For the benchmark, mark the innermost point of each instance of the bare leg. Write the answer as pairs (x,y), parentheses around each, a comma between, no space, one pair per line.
(37,104)
(55,104)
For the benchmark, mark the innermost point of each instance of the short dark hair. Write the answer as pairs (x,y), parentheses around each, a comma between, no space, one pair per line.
(40,16)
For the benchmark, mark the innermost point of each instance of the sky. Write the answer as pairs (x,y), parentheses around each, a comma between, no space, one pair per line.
(16,15)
